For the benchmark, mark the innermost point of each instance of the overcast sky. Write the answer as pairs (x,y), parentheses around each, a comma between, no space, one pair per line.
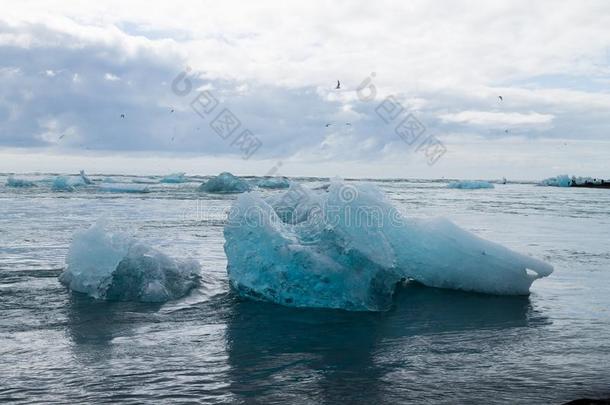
(98,86)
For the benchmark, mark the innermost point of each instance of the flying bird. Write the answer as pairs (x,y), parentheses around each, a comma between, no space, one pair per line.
(122,115)
(172,110)
(62,136)
(328,125)
(500,97)
(338,85)
(348,123)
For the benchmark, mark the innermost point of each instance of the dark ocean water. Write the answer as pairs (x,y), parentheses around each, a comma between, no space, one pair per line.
(433,346)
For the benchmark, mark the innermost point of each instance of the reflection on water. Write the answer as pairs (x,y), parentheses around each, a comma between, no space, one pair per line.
(434,346)
(93,324)
(277,351)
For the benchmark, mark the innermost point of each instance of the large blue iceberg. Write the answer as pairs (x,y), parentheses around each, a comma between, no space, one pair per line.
(349,247)
(470,184)
(114,266)
(225,183)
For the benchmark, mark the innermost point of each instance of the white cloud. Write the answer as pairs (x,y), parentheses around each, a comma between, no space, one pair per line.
(111,78)
(275,65)
(489,118)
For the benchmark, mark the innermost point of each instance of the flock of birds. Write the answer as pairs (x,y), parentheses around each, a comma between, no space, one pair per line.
(329,124)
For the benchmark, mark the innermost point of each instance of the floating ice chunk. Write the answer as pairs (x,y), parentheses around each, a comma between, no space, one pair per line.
(86,179)
(349,247)
(274,182)
(19,183)
(225,183)
(175,178)
(470,184)
(124,188)
(559,181)
(67,183)
(114,266)
(144,181)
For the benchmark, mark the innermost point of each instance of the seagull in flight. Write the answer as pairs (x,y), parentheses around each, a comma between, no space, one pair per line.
(338,85)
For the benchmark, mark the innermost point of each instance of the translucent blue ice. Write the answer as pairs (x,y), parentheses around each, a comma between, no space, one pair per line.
(225,183)
(559,181)
(114,266)
(175,178)
(470,184)
(274,182)
(349,247)
(67,183)
(19,183)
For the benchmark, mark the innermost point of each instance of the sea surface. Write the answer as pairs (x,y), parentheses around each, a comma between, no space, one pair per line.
(433,346)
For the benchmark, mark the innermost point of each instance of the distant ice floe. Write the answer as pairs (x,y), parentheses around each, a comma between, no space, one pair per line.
(144,181)
(470,184)
(114,266)
(19,183)
(70,183)
(124,188)
(566,181)
(559,181)
(67,183)
(274,182)
(348,248)
(225,183)
(86,179)
(175,178)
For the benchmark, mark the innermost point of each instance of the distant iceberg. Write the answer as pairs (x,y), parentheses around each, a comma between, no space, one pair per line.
(225,183)
(349,247)
(566,181)
(274,182)
(19,183)
(144,181)
(67,183)
(470,184)
(124,188)
(114,266)
(86,179)
(175,178)
(559,181)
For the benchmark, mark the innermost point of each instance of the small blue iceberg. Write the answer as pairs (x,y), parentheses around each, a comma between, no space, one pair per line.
(19,183)
(175,178)
(225,183)
(470,184)
(114,266)
(274,182)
